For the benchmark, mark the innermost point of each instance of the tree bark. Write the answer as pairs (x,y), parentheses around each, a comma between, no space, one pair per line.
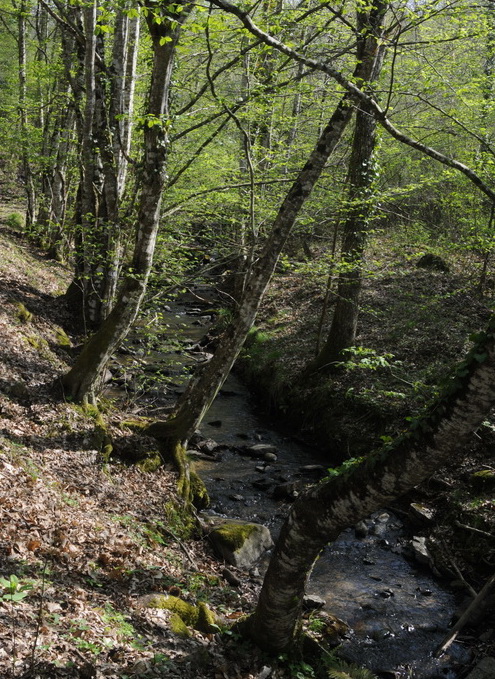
(104,99)
(82,381)
(321,514)
(27,171)
(360,196)
(204,386)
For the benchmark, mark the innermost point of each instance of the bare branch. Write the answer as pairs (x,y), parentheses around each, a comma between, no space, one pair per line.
(357,94)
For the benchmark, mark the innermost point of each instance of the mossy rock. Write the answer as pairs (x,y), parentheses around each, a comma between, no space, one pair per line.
(200,497)
(38,343)
(62,339)
(432,262)
(179,627)
(239,543)
(23,314)
(483,479)
(150,463)
(185,615)
(137,426)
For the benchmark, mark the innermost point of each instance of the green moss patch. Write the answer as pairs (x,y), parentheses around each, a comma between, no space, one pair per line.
(23,314)
(235,534)
(186,615)
(484,478)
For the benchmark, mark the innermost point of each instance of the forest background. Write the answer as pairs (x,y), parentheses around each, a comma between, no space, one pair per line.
(226,137)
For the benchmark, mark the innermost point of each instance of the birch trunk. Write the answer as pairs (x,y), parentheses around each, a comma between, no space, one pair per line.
(321,514)
(82,382)
(102,103)
(23,117)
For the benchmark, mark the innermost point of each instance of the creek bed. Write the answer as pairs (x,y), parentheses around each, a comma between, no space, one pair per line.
(396,610)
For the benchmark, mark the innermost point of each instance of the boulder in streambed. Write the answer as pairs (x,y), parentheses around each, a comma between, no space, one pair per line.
(421,551)
(259,450)
(421,514)
(285,491)
(240,543)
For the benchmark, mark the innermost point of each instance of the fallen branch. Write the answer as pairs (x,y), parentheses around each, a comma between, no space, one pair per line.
(484,533)
(458,573)
(465,617)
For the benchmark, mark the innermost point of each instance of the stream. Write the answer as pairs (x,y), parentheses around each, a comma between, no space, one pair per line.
(396,609)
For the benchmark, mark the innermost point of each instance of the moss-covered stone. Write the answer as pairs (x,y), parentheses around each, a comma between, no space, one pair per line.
(38,343)
(235,534)
(136,425)
(200,617)
(199,494)
(150,463)
(206,618)
(485,478)
(23,314)
(62,339)
(239,543)
(178,626)
(101,439)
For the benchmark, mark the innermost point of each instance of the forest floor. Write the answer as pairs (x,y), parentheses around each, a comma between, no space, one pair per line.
(83,540)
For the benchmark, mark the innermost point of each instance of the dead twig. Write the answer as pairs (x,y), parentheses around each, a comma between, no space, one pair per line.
(457,571)
(477,531)
(464,619)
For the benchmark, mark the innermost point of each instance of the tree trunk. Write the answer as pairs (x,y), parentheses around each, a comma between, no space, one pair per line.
(82,382)
(360,198)
(124,59)
(321,514)
(27,171)
(104,99)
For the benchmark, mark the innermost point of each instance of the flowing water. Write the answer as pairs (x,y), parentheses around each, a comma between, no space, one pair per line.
(396,610)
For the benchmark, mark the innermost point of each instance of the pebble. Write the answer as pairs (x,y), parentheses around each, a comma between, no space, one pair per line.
(260,450)
(420,550)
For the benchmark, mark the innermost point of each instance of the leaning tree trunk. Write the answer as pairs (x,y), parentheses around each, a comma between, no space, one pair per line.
(203,388)
(321,514)
(82,382)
